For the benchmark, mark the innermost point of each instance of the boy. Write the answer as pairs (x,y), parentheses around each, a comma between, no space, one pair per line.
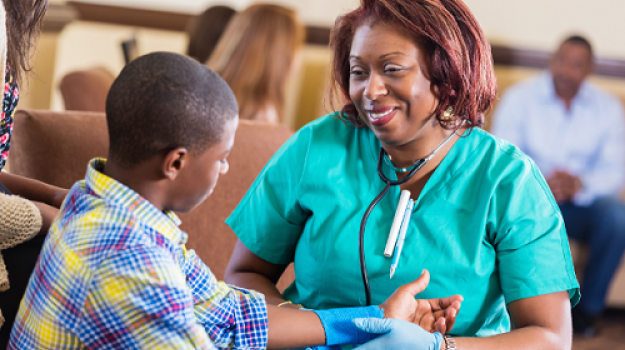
(114,272)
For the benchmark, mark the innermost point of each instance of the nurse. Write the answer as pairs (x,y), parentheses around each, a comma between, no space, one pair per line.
(413,74)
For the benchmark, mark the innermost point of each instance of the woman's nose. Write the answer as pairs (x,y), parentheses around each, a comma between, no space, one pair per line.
(375,87)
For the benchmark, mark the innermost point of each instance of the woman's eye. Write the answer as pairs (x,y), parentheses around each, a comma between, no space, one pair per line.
(392,69)
(356,71)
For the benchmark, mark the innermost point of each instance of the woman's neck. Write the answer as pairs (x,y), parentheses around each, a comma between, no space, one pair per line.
(407,154)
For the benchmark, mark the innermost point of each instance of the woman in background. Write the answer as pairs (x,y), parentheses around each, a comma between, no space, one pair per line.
(256,55)
(27,207)
(205,31)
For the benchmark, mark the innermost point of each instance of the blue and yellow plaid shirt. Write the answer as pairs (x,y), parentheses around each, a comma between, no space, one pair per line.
(114,274)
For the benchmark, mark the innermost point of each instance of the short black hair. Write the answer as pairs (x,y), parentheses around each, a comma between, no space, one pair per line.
(162,101)
(580,40)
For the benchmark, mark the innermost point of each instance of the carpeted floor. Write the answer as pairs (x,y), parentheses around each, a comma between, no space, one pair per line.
(611,335)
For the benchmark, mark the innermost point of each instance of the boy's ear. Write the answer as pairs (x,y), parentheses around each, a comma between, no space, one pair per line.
(174,161)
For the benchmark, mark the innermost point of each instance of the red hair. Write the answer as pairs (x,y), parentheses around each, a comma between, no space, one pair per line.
(459,56)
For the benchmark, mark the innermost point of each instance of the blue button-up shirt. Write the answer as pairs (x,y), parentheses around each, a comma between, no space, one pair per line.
(588,140)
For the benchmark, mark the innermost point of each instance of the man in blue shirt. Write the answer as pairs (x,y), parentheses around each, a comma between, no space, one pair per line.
(576,135)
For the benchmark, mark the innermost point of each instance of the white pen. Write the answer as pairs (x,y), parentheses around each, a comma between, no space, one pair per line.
(402,235)
(399,216)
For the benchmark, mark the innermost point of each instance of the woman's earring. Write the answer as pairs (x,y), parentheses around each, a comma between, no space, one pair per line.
(448,119)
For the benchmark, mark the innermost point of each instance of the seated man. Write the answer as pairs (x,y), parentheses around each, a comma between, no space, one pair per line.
(575,133)
(114,271)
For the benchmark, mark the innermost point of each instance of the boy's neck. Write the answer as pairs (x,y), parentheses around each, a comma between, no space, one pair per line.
(142,178)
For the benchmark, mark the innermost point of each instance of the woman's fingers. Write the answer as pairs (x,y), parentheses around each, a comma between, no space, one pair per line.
(450,317)
(443,303)
(441,325)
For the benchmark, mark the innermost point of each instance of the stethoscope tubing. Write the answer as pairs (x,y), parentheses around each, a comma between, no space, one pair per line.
(388,183)
(418,165)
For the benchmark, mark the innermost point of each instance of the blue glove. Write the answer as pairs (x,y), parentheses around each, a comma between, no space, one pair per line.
(397,335)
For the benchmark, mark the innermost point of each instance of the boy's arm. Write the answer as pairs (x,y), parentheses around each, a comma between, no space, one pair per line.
(138,299)
(231,316)
(225,312)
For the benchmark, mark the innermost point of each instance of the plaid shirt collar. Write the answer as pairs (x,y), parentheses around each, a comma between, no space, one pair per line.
(166,223)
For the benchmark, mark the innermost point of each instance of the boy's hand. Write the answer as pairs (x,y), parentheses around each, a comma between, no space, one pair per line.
(433,315)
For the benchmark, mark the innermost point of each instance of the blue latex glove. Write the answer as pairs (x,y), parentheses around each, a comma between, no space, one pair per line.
(397,335)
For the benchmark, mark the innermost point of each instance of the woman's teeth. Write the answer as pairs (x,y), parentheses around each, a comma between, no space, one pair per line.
(379,115)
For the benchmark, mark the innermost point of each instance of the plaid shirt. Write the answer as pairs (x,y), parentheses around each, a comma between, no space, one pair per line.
(114,274)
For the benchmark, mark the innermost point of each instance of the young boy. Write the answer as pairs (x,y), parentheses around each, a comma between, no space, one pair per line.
(114,272)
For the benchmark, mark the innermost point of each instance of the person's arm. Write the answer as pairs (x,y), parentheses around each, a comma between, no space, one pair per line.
(245,269)
(606,174)
(33,190)
(290,328)
(226,311)
(541,322)
(46,198)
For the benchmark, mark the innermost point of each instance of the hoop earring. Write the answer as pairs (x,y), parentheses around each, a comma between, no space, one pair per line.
(448,119)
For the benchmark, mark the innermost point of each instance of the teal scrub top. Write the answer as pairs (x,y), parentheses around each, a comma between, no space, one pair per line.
(485,225)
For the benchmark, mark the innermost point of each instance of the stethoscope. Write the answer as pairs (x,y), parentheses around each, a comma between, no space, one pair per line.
(412,170)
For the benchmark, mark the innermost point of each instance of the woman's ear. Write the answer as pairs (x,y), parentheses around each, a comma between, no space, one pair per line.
(435,91)
(174,161)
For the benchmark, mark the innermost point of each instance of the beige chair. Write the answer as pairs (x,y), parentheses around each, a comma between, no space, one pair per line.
(86,90)
(55,147)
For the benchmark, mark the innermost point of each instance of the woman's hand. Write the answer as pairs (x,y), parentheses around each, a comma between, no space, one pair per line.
(58,197)
(433,315)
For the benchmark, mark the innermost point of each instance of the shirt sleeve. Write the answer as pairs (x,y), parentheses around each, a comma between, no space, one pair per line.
(528,234)
(269,220)
(507,121)
(139,300)
(233,317)
(606,176)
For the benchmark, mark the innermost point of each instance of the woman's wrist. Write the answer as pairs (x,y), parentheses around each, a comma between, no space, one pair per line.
(449,343)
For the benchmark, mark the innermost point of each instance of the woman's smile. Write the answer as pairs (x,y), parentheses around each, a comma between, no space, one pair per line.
(380,116)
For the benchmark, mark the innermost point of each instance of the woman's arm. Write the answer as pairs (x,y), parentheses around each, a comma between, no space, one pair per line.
(33,190)
(247,270)
(541,322)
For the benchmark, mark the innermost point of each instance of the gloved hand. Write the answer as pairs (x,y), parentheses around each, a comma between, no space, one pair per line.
(397,335)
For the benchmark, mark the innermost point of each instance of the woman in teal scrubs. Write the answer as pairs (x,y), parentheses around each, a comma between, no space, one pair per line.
(414,73)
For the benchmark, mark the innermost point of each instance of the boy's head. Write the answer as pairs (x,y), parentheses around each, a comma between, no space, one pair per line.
(168,112)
